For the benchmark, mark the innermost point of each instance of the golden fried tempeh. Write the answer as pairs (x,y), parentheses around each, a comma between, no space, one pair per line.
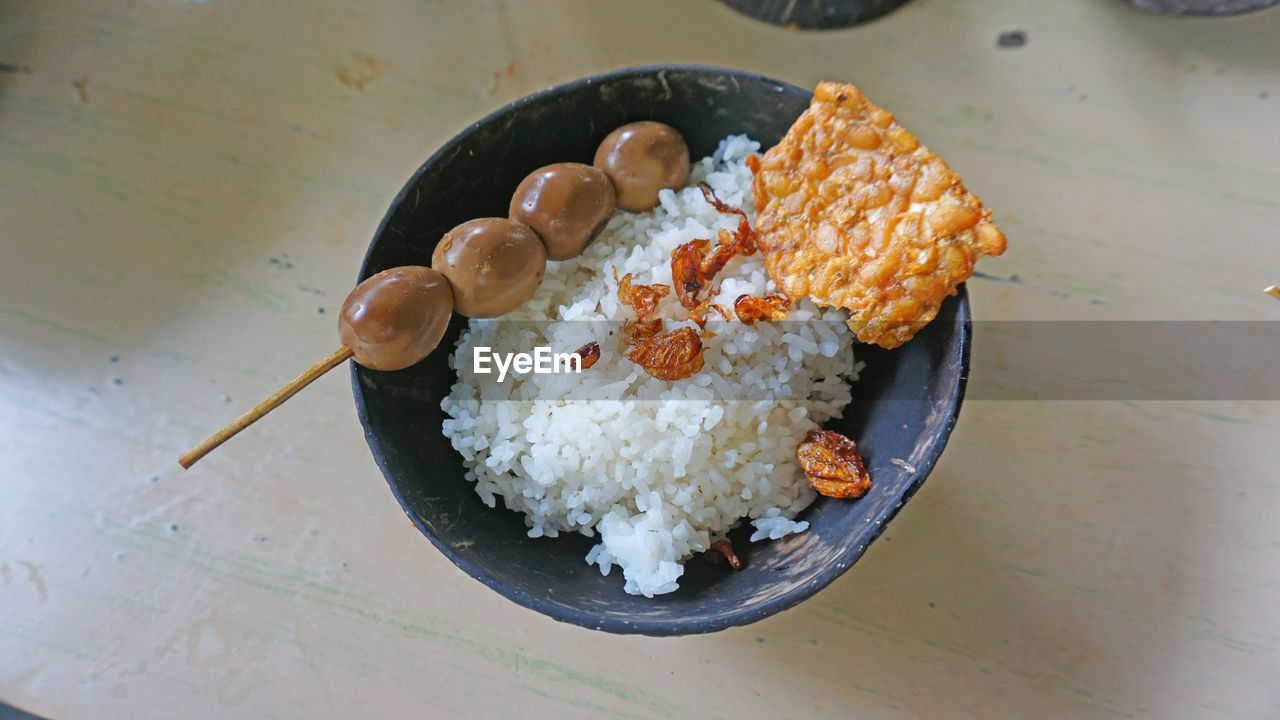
(854,212)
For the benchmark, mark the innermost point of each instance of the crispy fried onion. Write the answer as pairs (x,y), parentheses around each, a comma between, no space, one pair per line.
(695,264)
(673,355)
(832,466)
(699,314)
(588,354)
(724,208)
(644,300)
(642,328)
(752,309)
(722,549)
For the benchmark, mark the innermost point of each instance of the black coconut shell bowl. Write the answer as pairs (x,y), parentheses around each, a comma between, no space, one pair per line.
(904,407)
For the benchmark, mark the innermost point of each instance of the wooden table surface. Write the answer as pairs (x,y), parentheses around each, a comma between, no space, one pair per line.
(186,191)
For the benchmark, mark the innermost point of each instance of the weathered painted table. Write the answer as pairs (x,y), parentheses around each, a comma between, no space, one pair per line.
(186,190)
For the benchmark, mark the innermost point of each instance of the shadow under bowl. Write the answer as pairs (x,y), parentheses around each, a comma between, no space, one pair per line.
(905,403)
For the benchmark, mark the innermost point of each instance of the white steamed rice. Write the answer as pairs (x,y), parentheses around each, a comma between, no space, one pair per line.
(657,470)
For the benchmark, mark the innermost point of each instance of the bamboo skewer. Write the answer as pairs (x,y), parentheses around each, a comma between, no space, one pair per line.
(337,357)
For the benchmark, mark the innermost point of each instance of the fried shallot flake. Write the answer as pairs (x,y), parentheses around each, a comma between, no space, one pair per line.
(832,466)
(722,548)
(744,227)
(686,265)
(588,354)
(695,264)
(644,300)
(853,212)
(673,355)
(699,313)
(642,328)
(753,309)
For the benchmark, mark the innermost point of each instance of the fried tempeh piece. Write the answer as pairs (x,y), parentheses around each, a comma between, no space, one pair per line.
(854,212)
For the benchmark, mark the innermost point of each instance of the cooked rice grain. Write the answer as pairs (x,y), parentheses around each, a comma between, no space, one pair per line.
(658,470)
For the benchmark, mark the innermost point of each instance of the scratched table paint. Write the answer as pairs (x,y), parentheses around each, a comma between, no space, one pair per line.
(186,190)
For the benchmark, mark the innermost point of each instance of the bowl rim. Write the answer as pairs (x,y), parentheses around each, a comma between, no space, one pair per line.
(663,627)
